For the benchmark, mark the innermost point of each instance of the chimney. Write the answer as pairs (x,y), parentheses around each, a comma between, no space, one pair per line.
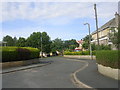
(117,19)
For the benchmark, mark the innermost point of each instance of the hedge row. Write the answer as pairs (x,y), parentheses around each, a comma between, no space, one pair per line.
(19,53)
(78,53)
(108,58)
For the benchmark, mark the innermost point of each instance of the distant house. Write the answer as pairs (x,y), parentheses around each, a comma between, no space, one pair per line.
(79,48)
(103,31)
(2,43)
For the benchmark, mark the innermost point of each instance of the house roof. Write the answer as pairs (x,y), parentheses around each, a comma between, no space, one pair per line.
(111,23)
(2,42)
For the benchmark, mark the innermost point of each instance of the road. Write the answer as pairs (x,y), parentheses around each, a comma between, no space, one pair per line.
(58,75)
(55,75)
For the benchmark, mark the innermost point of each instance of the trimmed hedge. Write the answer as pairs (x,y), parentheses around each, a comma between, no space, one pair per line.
(18,53)
(35,52)
(108,58)
(78,53)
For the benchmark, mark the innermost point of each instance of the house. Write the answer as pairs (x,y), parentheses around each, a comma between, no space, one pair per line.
(79,48)
(2,43)
(103,31)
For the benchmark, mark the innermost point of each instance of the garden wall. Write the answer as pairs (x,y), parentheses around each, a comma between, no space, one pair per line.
(108,63)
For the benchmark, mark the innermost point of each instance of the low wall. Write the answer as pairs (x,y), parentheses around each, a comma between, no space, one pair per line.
(110,72)
(80,56)
(18,63)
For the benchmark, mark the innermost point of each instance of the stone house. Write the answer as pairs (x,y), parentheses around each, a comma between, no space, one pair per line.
(105,30)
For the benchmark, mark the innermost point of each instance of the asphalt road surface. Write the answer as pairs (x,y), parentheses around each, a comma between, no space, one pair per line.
(57,75)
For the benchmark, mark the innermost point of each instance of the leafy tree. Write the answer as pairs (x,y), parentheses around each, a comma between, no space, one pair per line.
(86,41)
(85,45)
(86,38)
(9,40)
(70,44)
(113,36)
(93,46)
(46,42)
(21,42)
(15,41)
(35,41)
(57,45)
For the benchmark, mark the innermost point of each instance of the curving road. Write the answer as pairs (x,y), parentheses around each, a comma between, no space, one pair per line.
(58,74)
(55,75)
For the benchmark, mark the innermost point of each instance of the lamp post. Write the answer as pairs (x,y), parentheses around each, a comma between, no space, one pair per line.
(41,45)
(89,39)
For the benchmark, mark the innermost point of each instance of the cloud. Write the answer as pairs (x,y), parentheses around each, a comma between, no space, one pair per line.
(58,1)
(46,10)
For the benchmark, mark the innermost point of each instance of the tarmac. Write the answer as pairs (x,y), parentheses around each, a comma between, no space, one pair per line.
(89,76)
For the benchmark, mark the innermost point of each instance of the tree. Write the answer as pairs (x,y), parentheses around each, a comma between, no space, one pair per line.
(46,43)
(113,36)
(9,40)
(57,45)
(70,44)
(86,38)
(86,41)
(34,40)
(21,42)
(15,41)
(85,45)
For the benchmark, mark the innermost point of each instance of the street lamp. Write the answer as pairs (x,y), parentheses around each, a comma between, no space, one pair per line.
(89,39)
(41,45)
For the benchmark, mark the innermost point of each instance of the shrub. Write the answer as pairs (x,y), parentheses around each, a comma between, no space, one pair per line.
(9,54)
(18,53)
(101,47)
(108,58)
(85,53)
(78,53)
(34,52)
(23,54)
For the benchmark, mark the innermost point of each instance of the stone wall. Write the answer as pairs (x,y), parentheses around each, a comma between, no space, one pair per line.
(110,72)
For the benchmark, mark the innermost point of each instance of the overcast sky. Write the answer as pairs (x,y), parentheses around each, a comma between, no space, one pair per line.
(59,19)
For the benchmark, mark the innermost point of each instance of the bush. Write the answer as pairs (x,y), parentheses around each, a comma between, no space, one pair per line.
(34,52)
(101,47)
(78,53)
(18,53)
(108,58)
(9,54)
(23,54)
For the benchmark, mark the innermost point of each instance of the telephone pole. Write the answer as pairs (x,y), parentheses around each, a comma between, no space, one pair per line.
(96,24)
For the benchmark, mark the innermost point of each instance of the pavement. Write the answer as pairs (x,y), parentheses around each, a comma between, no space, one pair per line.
(56,75)
(19,68)
(91,77)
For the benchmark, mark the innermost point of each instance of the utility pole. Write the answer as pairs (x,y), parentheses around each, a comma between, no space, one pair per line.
(96,24)
(89,39)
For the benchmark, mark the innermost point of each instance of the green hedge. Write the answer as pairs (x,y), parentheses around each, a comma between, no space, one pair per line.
(78,53)
(108,58)
(35,52)
(18,53)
